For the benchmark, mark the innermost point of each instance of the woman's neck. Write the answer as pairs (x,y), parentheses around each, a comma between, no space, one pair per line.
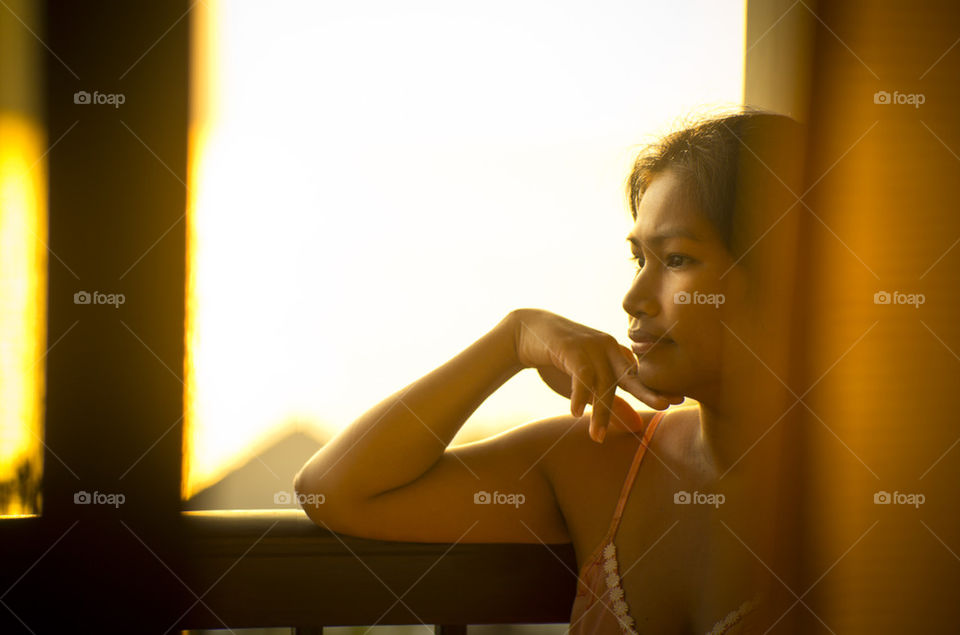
(737,436)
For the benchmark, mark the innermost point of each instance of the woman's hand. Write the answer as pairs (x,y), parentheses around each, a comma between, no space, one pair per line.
(582,364)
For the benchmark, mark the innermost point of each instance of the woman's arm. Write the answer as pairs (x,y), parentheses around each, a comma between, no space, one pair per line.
(403,436)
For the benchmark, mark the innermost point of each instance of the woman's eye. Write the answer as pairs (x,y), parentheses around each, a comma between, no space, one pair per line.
(676,258)
(673,260)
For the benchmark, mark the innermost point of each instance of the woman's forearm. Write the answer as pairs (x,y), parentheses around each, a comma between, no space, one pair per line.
(403,436)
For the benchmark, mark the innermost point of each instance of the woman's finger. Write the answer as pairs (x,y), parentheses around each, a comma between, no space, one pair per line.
(628,377)
(577,398)
(630,366)
(582,378)
(604,387)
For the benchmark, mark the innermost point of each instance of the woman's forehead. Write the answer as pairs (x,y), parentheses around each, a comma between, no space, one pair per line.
(667,210)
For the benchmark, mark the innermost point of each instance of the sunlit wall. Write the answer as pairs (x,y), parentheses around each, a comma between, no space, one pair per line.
(373,185)
(23,262)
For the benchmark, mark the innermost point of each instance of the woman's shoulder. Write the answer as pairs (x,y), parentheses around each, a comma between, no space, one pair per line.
(670,442)
(569,441)
(586,476)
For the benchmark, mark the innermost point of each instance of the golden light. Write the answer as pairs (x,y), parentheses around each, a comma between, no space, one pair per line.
(23,284)
(372,189)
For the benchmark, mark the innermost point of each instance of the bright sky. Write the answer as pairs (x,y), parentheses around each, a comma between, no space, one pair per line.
(375,184)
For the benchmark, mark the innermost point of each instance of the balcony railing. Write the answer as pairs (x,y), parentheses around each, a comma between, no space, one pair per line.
(270,568)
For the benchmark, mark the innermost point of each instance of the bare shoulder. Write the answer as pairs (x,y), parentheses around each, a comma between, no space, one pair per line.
(585,476)
(676,433)
(565,440)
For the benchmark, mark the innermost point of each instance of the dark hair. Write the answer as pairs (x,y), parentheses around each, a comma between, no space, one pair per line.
(739,167)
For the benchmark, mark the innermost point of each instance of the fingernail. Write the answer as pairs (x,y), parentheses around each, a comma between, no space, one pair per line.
(602,434)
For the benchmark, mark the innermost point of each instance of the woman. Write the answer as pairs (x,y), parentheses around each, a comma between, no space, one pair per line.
(703,318)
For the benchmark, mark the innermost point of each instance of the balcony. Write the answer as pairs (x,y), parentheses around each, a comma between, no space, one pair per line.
(277,568)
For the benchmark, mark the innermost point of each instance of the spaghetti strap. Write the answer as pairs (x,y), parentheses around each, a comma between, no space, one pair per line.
(625,490)
(628,483)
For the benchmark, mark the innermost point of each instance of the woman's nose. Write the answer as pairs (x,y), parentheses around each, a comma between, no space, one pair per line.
(641,297)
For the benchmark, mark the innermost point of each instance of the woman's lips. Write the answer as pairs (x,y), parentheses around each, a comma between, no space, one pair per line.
(642,348)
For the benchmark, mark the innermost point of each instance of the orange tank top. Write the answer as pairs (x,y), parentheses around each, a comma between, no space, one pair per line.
(600,607)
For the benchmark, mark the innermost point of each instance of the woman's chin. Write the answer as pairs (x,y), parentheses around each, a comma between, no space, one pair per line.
(656,380)
(652,373)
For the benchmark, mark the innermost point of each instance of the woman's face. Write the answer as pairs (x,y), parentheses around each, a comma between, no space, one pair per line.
(683,288)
